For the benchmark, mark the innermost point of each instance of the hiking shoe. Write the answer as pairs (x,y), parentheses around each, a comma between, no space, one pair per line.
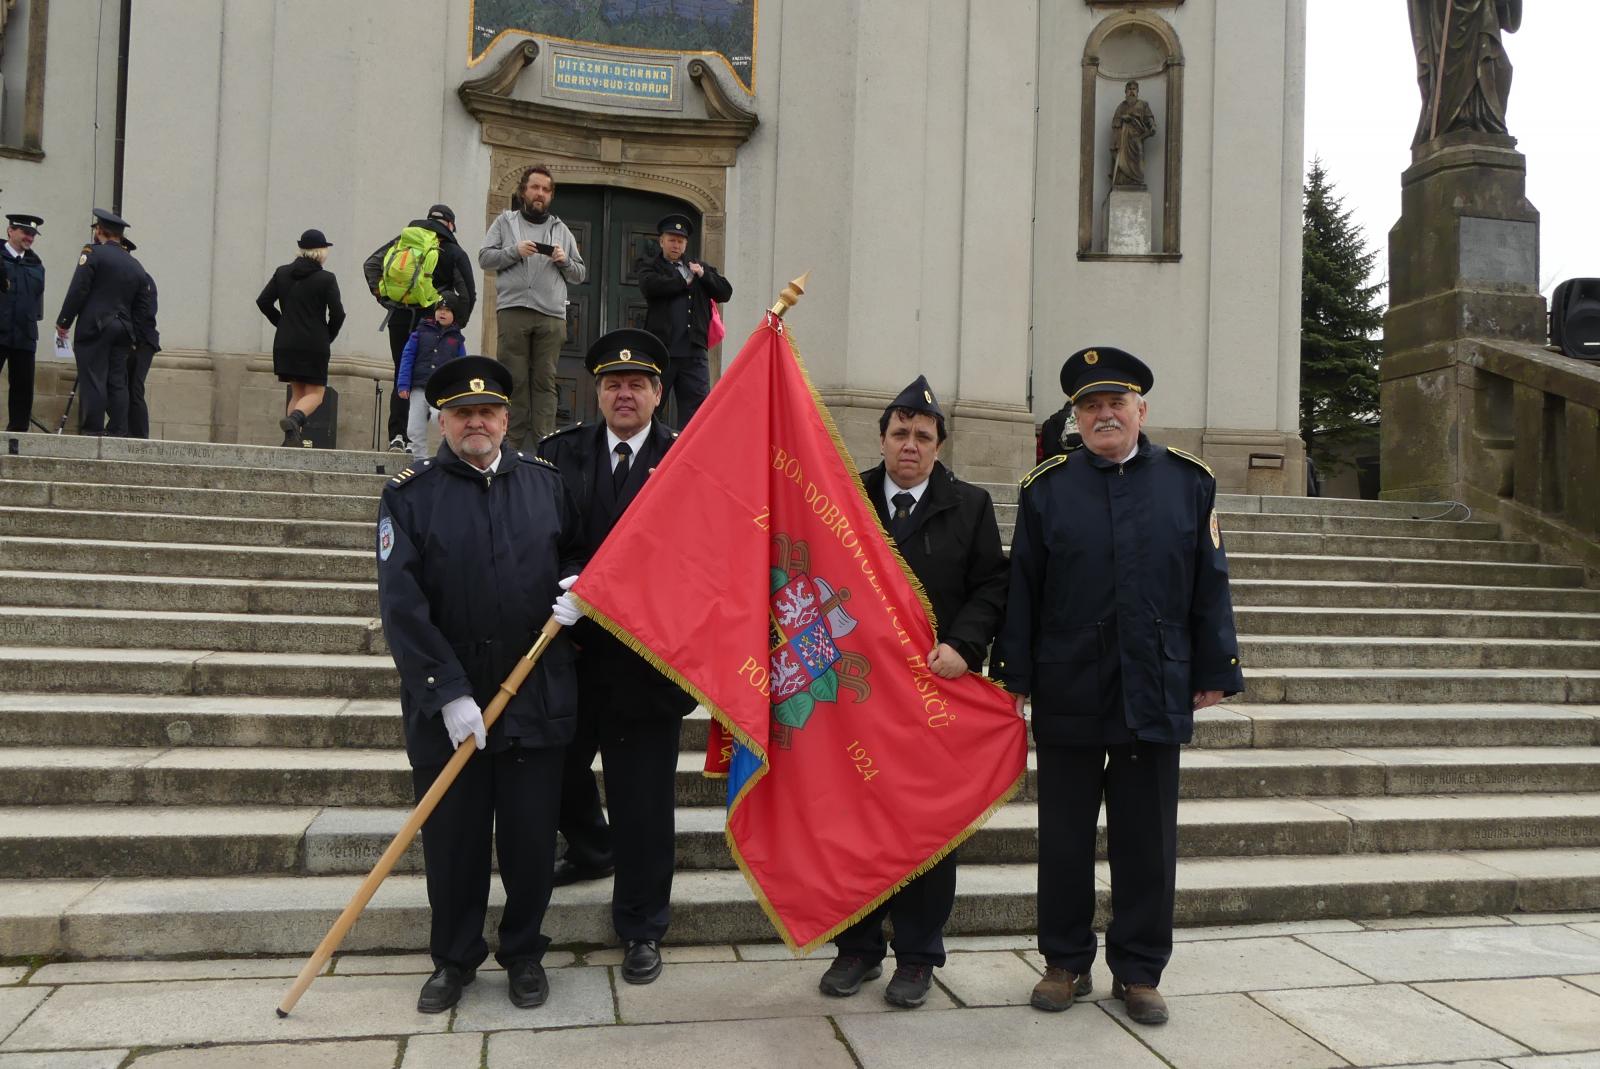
(908,988)
(846,975)
(1145,1004)
(1058,989)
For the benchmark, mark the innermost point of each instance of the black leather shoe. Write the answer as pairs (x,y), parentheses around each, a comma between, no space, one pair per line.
(566,872)
(443,988)
(529,988)
(642,962)
(846,975)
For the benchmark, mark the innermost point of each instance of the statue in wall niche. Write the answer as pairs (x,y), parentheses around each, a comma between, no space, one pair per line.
(1462,67)
(1132,124)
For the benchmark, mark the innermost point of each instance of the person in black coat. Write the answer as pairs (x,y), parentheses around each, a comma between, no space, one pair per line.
(946,531)
(1120,625)
(21,308)
(453,272)
(146,343)
(105,298)
(678,292)
(472,545)
(301,301)
(628,712)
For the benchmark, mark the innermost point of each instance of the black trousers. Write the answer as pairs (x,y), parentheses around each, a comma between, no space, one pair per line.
(509,798)
(688,379)
(401,324)
(1139,782)
(103,387)
(19,374)
(641,768)
(139,361)
(919,911)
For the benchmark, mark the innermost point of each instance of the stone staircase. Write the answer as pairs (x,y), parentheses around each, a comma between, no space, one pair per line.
(201,753)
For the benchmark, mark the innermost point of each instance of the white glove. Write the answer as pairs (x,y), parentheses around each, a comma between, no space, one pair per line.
(565,610)
(462,717)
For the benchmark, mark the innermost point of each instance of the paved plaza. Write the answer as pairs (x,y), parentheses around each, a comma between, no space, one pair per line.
(1477,992)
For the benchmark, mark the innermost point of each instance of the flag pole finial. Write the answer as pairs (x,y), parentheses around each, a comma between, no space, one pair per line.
(789,295)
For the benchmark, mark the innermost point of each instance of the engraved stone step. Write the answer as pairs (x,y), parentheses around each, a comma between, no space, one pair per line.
(121,918)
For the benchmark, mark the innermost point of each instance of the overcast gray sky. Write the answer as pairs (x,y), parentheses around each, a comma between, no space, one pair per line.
(1362,104)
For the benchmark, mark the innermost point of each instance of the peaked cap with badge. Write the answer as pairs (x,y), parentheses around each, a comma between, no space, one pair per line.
(1104,369)
(918,397)
(676,223)
(30,223)
(469,380)
(627,349)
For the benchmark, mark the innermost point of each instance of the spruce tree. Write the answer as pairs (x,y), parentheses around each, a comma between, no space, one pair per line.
(1340,323)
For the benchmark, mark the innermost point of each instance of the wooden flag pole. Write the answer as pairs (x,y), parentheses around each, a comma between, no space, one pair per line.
(424,809)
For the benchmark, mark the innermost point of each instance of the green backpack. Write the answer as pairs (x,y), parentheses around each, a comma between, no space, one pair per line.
(408,268)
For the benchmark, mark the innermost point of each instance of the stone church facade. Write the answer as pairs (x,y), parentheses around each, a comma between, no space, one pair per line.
(943,170)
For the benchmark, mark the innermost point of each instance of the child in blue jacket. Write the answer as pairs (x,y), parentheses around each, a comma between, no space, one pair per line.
(436,340)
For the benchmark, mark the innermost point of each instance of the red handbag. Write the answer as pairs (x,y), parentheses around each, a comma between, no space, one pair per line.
(715,332)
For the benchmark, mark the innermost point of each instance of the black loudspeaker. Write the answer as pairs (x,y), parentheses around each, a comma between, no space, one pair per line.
(322,426)
(1575,318)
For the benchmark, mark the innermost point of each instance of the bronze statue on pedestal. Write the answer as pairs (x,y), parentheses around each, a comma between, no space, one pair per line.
(1462,66)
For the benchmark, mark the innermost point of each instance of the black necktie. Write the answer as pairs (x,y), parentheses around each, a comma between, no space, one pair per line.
(901,519)
(619,474)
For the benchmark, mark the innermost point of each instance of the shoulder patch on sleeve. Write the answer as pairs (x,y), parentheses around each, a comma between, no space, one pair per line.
(561,430)
(1191,458)
(1054,462)
(404,477)
(541,461)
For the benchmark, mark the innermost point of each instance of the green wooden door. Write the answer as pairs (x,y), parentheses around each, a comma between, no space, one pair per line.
(615,228)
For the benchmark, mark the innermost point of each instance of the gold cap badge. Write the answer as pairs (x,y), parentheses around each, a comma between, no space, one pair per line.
(626,354)
(1091,357)
(477,385)
(927,395)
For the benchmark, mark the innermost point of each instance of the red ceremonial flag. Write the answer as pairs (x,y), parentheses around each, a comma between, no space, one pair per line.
(774,596)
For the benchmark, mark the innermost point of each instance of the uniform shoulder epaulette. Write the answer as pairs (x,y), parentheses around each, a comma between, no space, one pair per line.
(1191,458)
(534,458)
(562,430)
(410,472)
(1053,462)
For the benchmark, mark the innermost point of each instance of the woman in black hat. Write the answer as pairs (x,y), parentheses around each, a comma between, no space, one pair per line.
(302,301)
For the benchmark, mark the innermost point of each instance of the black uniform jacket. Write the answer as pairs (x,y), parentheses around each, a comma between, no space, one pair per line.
(21,299)
(146,334)
(617,683)
(953,548)
(468,564)
(453,271)
(301,300)
(1118,609)
(106,297)
(679,312)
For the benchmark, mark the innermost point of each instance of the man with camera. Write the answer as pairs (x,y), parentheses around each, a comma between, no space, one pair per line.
(534,257)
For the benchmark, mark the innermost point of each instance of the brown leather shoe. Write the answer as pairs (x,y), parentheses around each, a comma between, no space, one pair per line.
(1144,1002)
(1058,988)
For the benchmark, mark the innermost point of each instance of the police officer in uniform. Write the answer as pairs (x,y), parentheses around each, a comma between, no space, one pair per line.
(946,531)
(106,297)
(678,293)
(472,546)
(21,308)
(1119,624)
(627,711)
(146,344)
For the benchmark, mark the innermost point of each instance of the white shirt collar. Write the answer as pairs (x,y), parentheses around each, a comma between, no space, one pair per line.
(1131,453)
(634,443)
(891,488)
(492,469)
(12,251)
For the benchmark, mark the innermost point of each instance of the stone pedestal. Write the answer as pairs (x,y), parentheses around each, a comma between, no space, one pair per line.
(1463,267)
(1128,215)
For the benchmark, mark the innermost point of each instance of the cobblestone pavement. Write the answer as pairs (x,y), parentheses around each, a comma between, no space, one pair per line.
(1519,991)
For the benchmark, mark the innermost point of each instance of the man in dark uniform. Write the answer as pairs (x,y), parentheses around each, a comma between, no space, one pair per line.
(946,531)
(627,711)
(472,546)
(102,298)
(21,308)
(1119,624)
(146,344)
(678,292)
